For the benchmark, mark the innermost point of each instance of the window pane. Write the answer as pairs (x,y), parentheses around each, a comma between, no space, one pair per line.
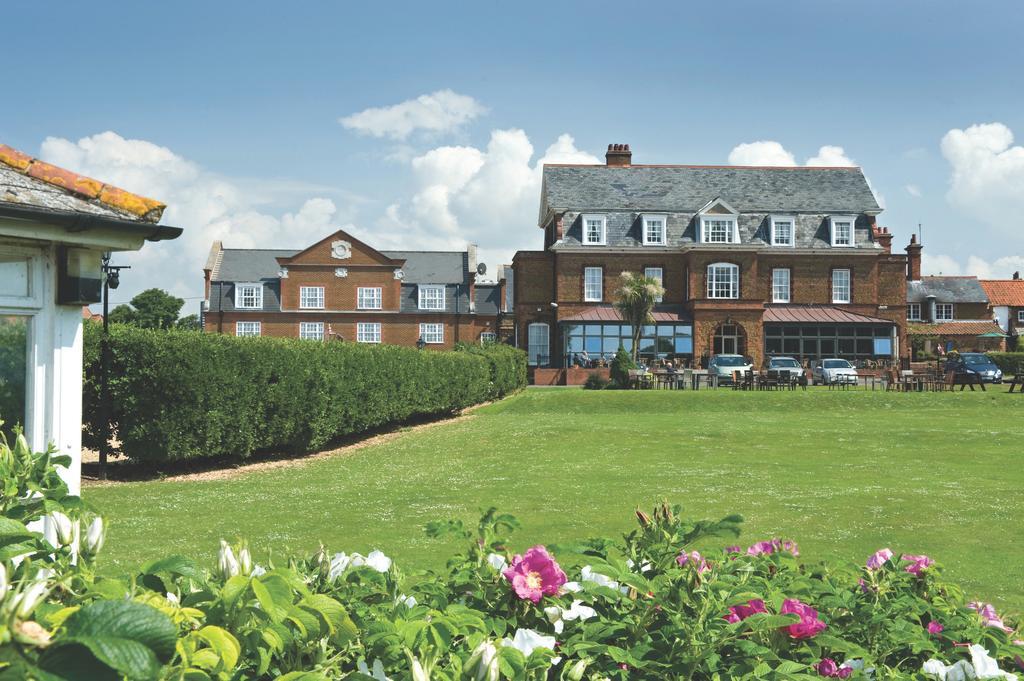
(13,371)
(592,344)
(684,346)
(575,344)
(593,329)
(14,277)
(611,345)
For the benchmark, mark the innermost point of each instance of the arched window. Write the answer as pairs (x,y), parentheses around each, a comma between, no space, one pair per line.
(538,347)
(723,280)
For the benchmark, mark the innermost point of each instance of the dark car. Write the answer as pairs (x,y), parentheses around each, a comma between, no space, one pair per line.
(975,364)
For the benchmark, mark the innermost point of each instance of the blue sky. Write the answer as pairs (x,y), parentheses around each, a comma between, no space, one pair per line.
(230,111)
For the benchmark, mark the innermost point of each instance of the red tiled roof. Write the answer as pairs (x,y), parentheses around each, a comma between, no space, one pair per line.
(82,186)
(962,327)
(606,313)
(816,314)
(1004,291)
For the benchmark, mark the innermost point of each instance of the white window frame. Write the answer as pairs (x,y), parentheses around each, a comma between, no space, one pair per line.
(705,233)
(944,307)
(432,333)
(777,285)
(836,299)
(588,295)
(534,345)
(913,316)
(488,337)
(792,230)
(852,219)
(255,330)
(1020,316)
(656,273)
(368,332)
(240,296)
(311,331)
(662,237)
(369,298)
(604,229)
(733,280)
(311,297)
(432,303)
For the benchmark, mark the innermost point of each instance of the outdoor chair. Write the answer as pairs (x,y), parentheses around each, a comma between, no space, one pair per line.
(687,379)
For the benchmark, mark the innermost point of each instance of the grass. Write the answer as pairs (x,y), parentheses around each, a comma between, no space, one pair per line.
(843,473)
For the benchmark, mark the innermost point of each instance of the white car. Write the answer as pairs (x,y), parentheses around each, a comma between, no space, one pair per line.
(724,365)
(832,371)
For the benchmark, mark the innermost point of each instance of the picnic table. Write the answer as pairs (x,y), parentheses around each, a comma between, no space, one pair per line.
(709,378)
(1017,382)
(868,377)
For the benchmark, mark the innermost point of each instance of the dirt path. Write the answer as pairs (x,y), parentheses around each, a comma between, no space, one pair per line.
(121,472)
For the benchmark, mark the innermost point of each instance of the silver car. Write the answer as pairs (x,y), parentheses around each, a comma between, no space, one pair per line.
(785,365)
(833,371)
(725,365)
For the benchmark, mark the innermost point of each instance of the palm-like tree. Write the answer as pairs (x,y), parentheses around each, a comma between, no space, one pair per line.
(634,300)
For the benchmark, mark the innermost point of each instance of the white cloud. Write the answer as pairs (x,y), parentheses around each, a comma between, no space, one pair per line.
(470,195)
(830,157)
(940,264)
(913,190)
(763,153)
(1000,268)
(987,178)
(439,112)
(207,206)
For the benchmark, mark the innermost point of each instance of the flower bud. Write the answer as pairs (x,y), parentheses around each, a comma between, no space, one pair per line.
(643,518)
(575,672)
(226,562)
(483,663)
(64,528)
(22,453)
(418,673)
(28,599)
(244,560)
(94,538)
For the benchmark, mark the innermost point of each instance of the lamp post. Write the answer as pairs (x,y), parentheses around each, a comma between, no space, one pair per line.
(111,280)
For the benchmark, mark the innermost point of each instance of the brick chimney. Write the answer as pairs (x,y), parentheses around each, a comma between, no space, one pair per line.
(883,236)
(913,259)
(618,155)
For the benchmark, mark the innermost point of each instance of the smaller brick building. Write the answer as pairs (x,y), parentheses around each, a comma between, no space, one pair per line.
(1006,298)
(341,288)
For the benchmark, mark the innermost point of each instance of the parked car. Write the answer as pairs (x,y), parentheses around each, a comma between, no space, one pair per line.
(787,365)
(976,364)
(832,371)
(724,365)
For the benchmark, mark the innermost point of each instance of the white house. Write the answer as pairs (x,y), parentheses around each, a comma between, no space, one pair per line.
(55,226)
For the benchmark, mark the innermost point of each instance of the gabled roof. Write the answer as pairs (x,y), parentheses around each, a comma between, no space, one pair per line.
(687,188)
(1009,292)
(946,290)
(27,181)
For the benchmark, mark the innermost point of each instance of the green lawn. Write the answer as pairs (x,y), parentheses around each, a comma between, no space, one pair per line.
(843,473)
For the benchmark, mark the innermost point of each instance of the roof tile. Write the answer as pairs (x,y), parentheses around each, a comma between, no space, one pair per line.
(1008,292)
(51,174)
(963,327)
(14,158)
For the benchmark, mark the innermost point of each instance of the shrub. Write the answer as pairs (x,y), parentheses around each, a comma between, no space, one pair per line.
(1009,362)
(595,382)
(621,365)
(650,607)
(181,394)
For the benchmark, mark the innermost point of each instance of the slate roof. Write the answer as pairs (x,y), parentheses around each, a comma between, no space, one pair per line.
(488,299)
(960,327)
(946,290)
(1009,292)
(688,188)
(432,267)
(817,314)
(249,264)
(27,181)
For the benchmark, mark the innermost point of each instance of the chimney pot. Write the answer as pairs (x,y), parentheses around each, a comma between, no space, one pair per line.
(1016,275)
(914,259)
(618,155)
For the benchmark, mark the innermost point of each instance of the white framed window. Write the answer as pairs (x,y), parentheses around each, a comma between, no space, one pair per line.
(311,331)
(593,284)
(594,227)
(248,328)
(368,332)
(1020,316)
(369,297)
(311,297)
(488,337)
(249,296)
(842,230)
(780,285)
(783,230)
(914,312)
(538,352)
(723,280)
(840,286)
(944,312)
(432,334)
(717,229)
(658,274)
(654,229)
(431,297)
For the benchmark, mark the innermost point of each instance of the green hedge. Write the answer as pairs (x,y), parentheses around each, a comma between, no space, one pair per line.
(1009,362)
(182,395)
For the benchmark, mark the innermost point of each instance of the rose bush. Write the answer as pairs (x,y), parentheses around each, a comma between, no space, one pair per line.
(646,607)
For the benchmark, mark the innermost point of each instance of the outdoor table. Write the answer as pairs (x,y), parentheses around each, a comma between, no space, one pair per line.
(710,379)
(866,378)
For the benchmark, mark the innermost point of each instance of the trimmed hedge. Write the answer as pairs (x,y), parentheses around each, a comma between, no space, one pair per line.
(1009,362)
(182,395)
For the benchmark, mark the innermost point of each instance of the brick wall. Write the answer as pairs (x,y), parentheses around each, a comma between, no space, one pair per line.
(340,293)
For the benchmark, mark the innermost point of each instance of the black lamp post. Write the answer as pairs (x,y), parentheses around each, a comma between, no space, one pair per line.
(420,343)
(111,280)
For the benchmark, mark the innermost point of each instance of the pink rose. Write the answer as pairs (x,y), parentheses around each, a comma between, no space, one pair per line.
(773,546)
(535,574)
(829,667)
(738,613)
(693,558)
(935,627)
(917,564)
(878,558)
(809,625)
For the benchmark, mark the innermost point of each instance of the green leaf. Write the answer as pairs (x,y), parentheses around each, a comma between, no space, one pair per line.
(175,565)
(764,622)
(302,676)
(233,589)
(223,643)
(274,595)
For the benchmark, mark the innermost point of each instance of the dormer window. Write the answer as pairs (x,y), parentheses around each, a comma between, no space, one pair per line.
(594,230)
(654,229)
(783,230)
(842,230)
(248,296)
(718,229)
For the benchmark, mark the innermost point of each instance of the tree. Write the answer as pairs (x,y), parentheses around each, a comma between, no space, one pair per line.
(152,309)
(634,300)
(190,323)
